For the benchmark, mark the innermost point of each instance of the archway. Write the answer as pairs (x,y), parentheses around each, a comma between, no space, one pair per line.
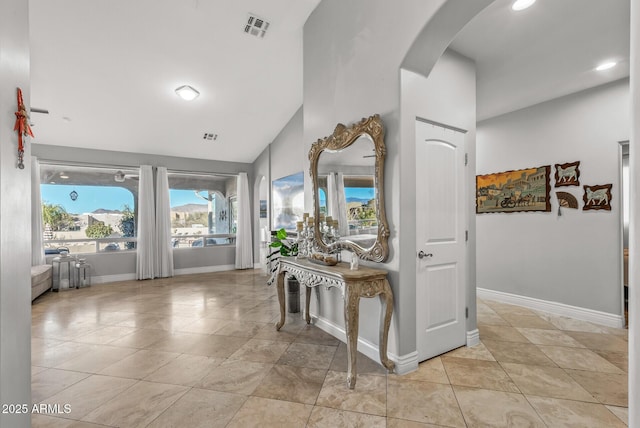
(261,213)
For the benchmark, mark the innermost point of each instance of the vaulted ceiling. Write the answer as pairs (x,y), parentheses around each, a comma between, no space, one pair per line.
(107,71)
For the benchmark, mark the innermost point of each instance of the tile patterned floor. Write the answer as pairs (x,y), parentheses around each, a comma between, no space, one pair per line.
(202,351)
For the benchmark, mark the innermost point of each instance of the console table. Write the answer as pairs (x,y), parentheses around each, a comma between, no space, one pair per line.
(354,284)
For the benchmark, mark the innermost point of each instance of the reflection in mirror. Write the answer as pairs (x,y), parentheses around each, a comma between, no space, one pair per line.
(347,171)
(348,176)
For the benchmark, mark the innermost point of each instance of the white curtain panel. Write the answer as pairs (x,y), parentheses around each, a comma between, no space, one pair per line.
(244,244)
(37,249)
(146,225)
(164,251)
(342,205)
(332,196)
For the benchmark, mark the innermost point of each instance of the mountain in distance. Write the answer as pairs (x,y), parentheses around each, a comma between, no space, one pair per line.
(191,208)
(363,201)
(105,211)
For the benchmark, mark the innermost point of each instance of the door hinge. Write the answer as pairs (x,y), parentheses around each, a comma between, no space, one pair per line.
(466,312)
(466,159)
(466,236)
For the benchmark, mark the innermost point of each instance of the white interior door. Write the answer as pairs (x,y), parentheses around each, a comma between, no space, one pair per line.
(440,240)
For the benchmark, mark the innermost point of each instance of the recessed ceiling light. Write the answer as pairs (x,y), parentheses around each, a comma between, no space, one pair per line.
(522,4)
(606,65)
(187,92)
(64,175)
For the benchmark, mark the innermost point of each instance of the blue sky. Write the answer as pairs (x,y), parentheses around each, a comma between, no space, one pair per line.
(91,198)
(182,197)
(359,192)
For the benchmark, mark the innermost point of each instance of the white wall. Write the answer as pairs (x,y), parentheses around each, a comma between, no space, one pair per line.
(574,259)
(288,149)
(634,227)
(352,55)
(447,96)
(15,218)
(353,52)
(279,159)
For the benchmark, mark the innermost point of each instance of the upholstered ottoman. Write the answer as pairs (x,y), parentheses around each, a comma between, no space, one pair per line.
(41,277)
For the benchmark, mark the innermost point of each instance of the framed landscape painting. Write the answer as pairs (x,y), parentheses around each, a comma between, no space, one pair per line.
(514,191)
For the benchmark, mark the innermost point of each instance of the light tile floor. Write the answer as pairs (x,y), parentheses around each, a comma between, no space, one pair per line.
(202,351)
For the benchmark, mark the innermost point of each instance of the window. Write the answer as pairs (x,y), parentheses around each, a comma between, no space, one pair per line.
(233,204)
(323,204)
(360,193)
(88,209)
(202,211)
(322,197)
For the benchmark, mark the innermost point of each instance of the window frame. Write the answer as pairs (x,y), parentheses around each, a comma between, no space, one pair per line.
(54,172)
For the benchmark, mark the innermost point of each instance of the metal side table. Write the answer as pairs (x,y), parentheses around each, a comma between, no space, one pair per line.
(82,274)
(63,272)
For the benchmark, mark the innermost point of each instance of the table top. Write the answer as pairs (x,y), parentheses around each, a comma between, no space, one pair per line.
(342,270)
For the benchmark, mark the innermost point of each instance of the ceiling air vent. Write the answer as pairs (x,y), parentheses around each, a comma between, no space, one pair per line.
(210,136)
(256,26)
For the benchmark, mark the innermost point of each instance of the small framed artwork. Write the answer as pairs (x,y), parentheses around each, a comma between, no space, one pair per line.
(568,174)
(597,197)
(512,191)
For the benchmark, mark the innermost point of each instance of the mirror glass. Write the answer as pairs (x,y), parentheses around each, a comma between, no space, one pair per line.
(347,191)
(346,169)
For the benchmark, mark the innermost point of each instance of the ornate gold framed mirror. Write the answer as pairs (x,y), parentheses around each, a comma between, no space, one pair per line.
(347,170)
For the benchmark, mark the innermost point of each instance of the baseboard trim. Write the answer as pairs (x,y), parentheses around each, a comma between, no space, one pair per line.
(555,308)
(404,363)
(104,279)
(203,269)
(473,338)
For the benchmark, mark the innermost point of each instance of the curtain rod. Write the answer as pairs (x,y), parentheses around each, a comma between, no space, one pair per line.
(213,174)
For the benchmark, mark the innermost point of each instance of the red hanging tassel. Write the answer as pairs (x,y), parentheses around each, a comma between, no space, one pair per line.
(23,128)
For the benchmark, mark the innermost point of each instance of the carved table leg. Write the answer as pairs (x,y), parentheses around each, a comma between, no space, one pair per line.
(280,286)
(351,320)
(307,298)
(386,299)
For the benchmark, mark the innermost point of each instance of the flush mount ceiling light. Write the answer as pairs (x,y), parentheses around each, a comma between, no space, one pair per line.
(522,4)
(606,65)
(187,92)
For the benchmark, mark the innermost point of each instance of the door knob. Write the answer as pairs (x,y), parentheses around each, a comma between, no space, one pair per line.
(422,254)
